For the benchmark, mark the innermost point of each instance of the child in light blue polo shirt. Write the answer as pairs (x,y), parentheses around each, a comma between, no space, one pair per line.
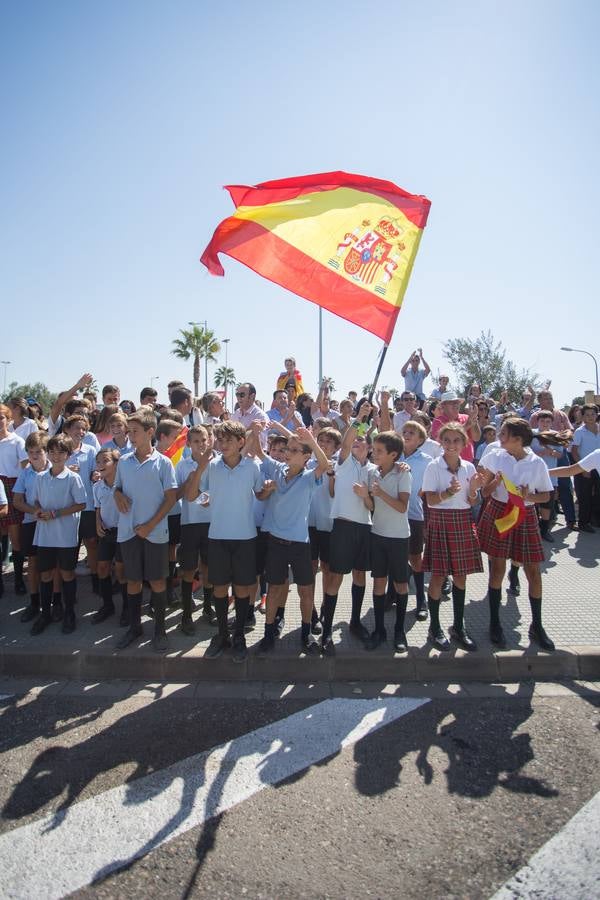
(83,461)
(23,493)
(145,490)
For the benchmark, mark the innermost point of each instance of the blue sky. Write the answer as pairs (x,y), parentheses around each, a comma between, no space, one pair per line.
(123,120)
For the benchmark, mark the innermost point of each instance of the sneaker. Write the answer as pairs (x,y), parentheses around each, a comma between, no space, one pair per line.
(104,613)
(375,640)
(438,639)
(29,613)
(266,646)
(217,644)
(58,612)
(422,613)
(160,642)
(359,631)
(540,637)
(309,645)
(240,651)
(186,626)
(327,646)
(400,642)
(279,625)
(462,637)
(68,624)
(133,634)
(41,623)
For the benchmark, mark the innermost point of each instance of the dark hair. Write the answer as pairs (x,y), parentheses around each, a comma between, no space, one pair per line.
(180,395)
(148,392)
(168,413)
(128,406)
(589,407)
(392,442)
(110,389)
(21,403)
(101,423)
(109,451)
(167,426)
(36,439)
(60,442)
(519,428)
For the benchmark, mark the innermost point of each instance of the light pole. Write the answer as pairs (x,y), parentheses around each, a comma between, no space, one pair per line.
(153,378)
(226,342)
(5,363)
(587,353)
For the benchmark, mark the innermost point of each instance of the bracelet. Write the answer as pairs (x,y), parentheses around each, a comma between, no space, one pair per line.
(356,424)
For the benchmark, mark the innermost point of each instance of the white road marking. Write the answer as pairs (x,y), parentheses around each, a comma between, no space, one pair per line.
(6,697)
(58,854)
(567,867)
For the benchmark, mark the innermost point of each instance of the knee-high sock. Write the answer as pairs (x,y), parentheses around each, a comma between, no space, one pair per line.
(221,605)
(69,590)
(46,596)
(379,610)
(494,600)
(458,604)
(401,604)
(434,614)
(329,604)
(358,595)
(106,592)
(419,579)
(159,602)
(134,603)
(536,611)
(242,604)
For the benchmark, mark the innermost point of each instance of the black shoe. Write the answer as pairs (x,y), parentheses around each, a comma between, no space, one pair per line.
(160,642)
(462,637)
(20,587)
(240,651)
(58,612)
(133,634)
(187,626)
(104,613)
(587,528)
(208,615)
(514,587)
(124,618)
(41,623)
(422,613)
(375,640)
(279,625)
(497,636)
(309,645)
(266,646)
(438,639)
(400,642)
(548,538)
(359,631)
(68,625)
(327,646)
(29,613)
(217,644)
(250,623)
(540,637)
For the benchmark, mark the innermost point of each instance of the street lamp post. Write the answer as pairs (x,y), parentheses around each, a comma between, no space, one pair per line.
(5,363)
(153,378)
(587,353)
(226,342)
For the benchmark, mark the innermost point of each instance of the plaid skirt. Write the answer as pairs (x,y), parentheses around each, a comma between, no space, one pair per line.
(521,544)
(451,545)
(14,517)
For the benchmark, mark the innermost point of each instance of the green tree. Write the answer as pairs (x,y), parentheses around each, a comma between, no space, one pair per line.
(224,377)
(196,343)
(483,360)
(44,396)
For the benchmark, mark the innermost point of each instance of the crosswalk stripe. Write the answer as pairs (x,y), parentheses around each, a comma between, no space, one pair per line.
(60,853)
(566,867)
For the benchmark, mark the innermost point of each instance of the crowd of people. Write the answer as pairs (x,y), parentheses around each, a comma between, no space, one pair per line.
(233,506)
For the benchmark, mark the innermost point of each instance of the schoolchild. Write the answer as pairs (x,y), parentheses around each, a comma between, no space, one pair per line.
(549,453)
(232,480)
(145,491)
(276,447)
(23,493)
(195,520)
(109,552)
(414,436)
(586,439)
(320,518)
(451,486)
(387,495)
(13,458)
(589,463)
(83,461)
(119,439)
(523,543)
(350,544)
(58,498)
(291,485)
(23,422)
(166,433)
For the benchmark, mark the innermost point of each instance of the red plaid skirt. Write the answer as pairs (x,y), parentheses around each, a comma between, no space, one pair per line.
(14,517)
(521,544)
(451,545)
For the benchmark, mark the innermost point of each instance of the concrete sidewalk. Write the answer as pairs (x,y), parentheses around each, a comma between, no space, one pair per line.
(571,616)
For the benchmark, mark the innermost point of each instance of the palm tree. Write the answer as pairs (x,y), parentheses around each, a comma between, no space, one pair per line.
(197,343)
(225,376)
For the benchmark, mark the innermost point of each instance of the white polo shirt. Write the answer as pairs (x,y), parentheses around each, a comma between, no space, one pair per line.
(437,479)
(346,504)
(531,470)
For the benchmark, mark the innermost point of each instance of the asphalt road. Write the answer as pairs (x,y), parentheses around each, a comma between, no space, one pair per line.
(448,798)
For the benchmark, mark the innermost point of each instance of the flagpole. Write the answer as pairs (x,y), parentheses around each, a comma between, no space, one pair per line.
(320,345)
(378,372)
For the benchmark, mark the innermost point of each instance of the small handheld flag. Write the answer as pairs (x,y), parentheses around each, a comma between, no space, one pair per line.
(175,451)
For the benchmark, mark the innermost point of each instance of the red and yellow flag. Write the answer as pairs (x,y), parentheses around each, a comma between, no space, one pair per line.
(345,242)
(175,451)
(514,509)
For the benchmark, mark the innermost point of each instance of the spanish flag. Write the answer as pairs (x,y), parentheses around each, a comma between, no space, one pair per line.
(514,509)
(175,451)
(345,242)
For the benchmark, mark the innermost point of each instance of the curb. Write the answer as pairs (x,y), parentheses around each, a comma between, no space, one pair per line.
(418,665)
